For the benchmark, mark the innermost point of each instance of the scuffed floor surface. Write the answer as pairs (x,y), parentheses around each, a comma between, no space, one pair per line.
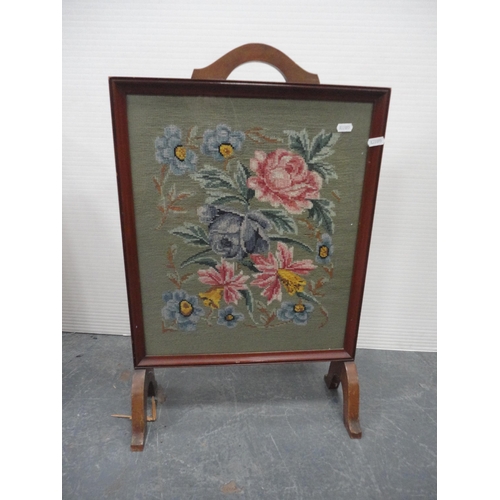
(247,432)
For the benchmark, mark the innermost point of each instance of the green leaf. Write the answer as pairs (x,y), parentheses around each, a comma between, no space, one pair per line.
(248,263)
(199,258)
(321,146)
(322,213)
(247,295)
(213,178)
(245,169)
(192,133)
(215,199)
(281,220)
(193,235)
(241,176)
(307,297)
(298,142)
(241,180)
(290,241)
(326,171)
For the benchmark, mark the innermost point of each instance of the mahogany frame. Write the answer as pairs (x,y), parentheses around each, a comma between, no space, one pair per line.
(121,87)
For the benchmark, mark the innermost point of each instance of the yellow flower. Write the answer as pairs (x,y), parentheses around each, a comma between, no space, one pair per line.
(212,297)
(323,251)
(292,282)
(185,308)
(180,152)
(226,150)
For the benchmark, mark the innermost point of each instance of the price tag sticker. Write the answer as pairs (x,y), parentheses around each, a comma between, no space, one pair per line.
(344,127)
(376,141)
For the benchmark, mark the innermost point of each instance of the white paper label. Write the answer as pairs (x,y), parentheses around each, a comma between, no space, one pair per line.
(376,141)
(344,127)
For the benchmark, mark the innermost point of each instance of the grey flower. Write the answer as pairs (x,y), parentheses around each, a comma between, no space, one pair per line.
(182,308)
(298,313)
(171,152)
(222,142)
(207,213)
(234,235)
(229,317)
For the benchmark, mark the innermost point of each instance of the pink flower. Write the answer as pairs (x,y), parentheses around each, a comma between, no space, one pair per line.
(223,282)
(280,270)
(284,179)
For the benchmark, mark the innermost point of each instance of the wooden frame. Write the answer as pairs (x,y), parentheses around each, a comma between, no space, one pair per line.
(128,96)
(123,87)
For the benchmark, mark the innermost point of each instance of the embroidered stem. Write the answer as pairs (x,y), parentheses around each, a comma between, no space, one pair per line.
(168,328)
(169,202)
(324,312)
(255,135)
(174,276)
(336,196)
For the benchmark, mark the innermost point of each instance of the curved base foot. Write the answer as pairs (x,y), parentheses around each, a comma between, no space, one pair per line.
(345,373)
(143,385)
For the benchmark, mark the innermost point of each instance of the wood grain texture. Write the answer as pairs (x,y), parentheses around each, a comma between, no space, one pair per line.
(127,217)
(255,52)
(143,385)
(346,373)
(367,211)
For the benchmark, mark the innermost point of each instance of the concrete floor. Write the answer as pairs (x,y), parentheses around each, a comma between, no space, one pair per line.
(247,432)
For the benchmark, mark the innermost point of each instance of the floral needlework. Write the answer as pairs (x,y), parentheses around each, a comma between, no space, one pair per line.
(251,230)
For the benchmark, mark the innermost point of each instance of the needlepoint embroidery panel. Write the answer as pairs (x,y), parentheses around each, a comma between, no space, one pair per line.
(246,220)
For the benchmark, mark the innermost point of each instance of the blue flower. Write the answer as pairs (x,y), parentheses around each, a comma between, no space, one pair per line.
(183,309)
(170,151)
(234,235)
(298,313)
(324,249)
(229,317)
(222,142)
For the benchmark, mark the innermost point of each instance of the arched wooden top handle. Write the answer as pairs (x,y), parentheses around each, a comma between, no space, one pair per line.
(255,52)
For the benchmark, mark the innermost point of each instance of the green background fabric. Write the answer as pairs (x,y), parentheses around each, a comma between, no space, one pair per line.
(147,117)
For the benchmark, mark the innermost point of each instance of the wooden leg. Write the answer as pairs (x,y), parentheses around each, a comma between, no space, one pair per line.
(143,385)
(345,373)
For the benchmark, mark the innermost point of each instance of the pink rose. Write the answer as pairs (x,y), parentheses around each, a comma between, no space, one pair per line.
(284,179)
